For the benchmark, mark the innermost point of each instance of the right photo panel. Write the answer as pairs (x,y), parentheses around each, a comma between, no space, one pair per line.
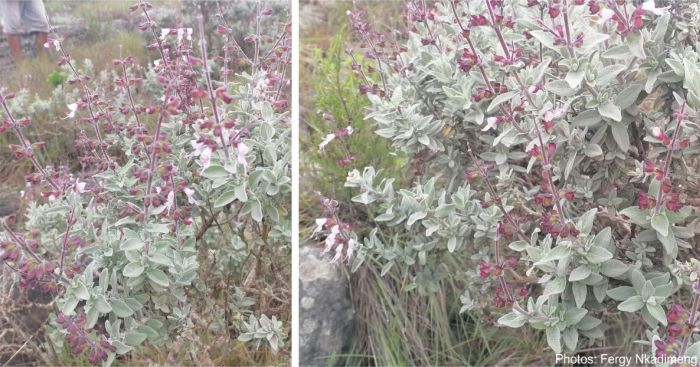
(499,183)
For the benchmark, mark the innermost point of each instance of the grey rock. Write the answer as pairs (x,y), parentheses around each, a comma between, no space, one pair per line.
(326,313)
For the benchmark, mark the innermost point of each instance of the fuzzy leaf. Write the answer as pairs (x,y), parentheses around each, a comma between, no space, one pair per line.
(570,336)
(621,293)
(585,222)
(560,88)
(554,339)
(620,135)
(636,215)
(632,304)
(158,276)
(657,312)
(133,270)
(580,273)
(134,339)
(500,99)
(226,197)
(555,286)
(131,244)
(613,268)
(587,118)
(597,255)
(580,291)
(120,308)
(215,171)
(512,319)
(660,224)
(628,96)
(609,110)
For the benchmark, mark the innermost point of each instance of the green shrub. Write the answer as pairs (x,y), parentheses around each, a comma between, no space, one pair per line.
(336,93)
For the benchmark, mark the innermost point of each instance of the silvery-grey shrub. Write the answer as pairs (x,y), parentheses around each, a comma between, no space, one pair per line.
(175,167)
(553,143)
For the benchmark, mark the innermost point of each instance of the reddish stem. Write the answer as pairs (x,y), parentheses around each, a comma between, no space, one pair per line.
(669,157)
(20,135)
(212,97)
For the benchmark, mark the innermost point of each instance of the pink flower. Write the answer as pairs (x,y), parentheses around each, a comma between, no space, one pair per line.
(53,42)
(79,187)
(190,197)
(202,151)
(331,239)
(242,150)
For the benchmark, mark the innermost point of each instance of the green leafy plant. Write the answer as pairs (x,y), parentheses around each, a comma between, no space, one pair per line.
(56,78)
(554,141)
(336,105)
(178,170)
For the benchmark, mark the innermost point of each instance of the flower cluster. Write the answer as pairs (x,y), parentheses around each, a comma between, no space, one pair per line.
(79,341)
(341,135)
(337,232)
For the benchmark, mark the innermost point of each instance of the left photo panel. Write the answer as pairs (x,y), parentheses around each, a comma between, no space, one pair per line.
(145,198)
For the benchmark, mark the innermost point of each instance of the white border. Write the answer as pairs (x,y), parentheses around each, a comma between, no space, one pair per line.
(295,183)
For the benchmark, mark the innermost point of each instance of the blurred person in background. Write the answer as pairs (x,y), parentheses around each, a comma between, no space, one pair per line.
(24,16)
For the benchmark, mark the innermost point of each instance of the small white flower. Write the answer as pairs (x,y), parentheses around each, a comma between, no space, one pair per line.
(338,253)
(184,32)
(190,197)
(242,151)
(79,187)
(605,15)
(320,222)
(352,244)
(650,6)
(53,43)
(202,151)
(73,107)
(330,240)
(205,157)
(555,114)
(171,201)
(329,138)
(491,123)
(349,129)
(164,32)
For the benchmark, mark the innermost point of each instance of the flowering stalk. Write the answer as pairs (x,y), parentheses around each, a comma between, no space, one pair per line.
(154,160)
(64,245)
(363,31)
(256,57)
(25,144)
(693,318)
(466,34)
(669,157)
(567,28)
(494,194)
(88,97)
(19,240)
(151,24)
(545,157)
(210,89)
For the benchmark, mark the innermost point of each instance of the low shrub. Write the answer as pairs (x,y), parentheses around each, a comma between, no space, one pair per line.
(337,105)
(557,143)
(180,175)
